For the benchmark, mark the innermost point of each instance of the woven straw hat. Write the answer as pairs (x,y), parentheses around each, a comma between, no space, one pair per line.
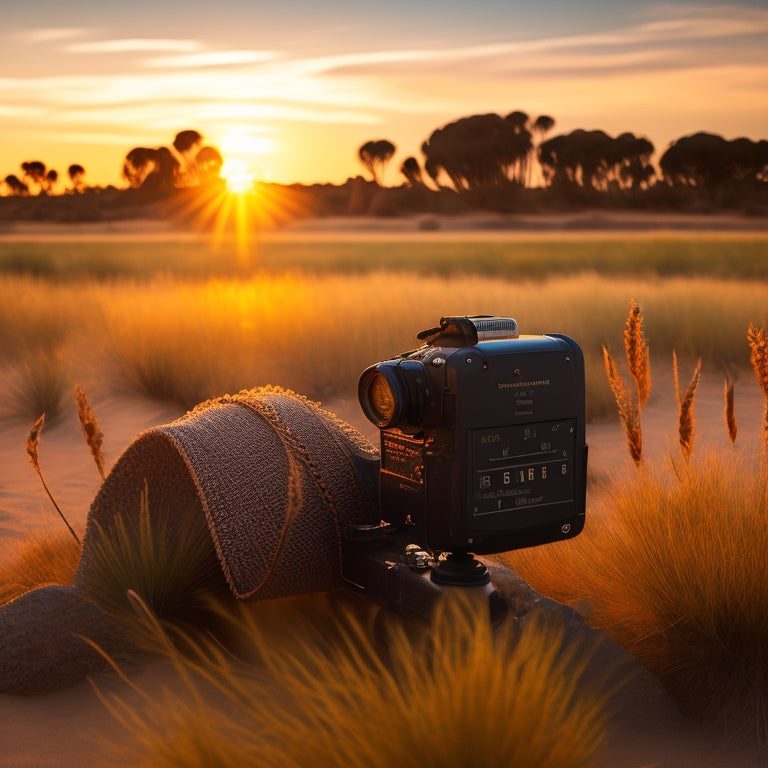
(273,476)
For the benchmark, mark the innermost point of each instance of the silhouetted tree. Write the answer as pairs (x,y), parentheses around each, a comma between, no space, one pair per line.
(412,171)
(154,169)
(186,144)
(35,174)
(184,164)
(543,124)
(630,162)
(50,181)
(709,160)
(375,155)
(209,162)
(594,160)
(479,150)
(138,164)
(76,175)
(15,185)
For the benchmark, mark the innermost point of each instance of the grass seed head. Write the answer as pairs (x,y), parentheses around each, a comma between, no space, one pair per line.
(730,411)
(91,432)
(687,421)
(638,355)
(629,412)
(33,439)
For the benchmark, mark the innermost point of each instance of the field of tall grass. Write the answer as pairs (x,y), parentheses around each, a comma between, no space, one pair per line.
(139,318)
(725,255)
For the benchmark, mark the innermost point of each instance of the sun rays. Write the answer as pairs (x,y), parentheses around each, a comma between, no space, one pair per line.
(234,209)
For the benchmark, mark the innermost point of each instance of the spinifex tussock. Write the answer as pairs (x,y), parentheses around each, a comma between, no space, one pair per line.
(37,562)
(454,693)
(164,558)
(672,565)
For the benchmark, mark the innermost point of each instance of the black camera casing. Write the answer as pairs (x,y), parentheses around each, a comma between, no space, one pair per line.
(489,453)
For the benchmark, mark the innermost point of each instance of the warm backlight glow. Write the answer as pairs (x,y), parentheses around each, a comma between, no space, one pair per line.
(237,176)
(242,152)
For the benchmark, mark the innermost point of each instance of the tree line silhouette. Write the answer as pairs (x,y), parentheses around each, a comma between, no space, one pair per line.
(486,150)
(485,160)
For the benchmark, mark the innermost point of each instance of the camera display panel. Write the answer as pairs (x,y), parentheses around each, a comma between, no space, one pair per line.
(516,468)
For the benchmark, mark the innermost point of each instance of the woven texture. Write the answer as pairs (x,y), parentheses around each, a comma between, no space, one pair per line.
(275,477)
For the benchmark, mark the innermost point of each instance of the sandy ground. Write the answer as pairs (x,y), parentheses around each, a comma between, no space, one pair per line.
(73,728)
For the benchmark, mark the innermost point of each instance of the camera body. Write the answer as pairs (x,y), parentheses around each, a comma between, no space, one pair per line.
(482,436)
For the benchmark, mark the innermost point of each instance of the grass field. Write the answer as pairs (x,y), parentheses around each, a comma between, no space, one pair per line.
(728,256)
(672,561)
(184,321)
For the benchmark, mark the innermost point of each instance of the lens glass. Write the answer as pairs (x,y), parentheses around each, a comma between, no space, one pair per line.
(381,399)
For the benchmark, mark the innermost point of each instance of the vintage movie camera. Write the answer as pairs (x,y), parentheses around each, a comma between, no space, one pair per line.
(482,451)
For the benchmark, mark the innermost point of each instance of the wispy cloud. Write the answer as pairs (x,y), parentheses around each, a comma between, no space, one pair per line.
(134,45)
(49,35)
(689,65)
(210,59)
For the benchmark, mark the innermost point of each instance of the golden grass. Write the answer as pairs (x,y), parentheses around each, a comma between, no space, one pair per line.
(33,440)
(374,693)
(757,339)
(629,411)
(37,562)
(686,428)
(91,432)
(672,565)
(165,558)
(185,340)
(638,355)
(729,411)
(35,383)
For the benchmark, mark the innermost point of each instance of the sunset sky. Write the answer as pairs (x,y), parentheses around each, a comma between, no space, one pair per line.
(293,88)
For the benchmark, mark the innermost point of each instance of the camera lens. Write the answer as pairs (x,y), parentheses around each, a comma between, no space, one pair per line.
(381,395)
(381,399)
(393,393)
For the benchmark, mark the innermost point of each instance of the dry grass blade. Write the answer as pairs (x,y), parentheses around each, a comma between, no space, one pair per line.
(638,355)
(91,432)
(730,411)
(32,442)
(35,562)
(321,699)
(758,356)
(686,418)
(629,413)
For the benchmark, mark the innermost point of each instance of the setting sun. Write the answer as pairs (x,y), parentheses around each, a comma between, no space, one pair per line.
(236,175)
(242,153)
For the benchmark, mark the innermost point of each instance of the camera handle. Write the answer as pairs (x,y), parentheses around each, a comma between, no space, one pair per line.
(381,563)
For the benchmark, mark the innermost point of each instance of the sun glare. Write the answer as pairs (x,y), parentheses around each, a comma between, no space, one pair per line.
(240,151)
(237,176)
